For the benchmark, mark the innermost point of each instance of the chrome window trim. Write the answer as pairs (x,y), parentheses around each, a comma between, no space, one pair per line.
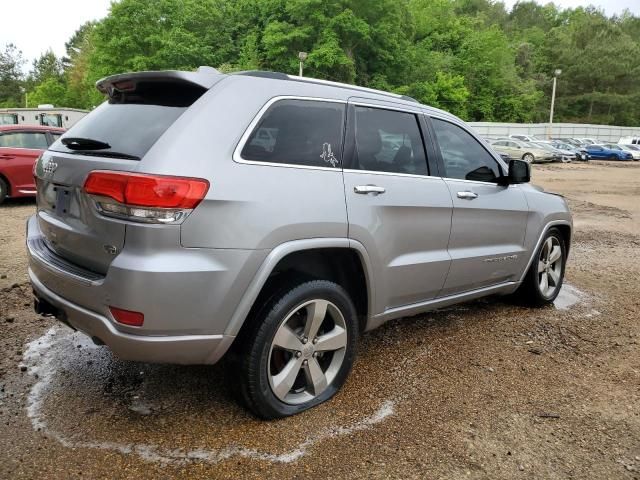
(479,182)
(390,174)
(237,153)
(383,106)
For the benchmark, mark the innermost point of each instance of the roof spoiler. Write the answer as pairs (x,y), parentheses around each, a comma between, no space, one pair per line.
(204,77)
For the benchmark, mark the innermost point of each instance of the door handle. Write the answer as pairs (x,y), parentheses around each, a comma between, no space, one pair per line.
(467,195)
(7,157)
(364,189)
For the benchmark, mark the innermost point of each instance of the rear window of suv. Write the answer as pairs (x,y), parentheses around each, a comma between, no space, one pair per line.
(298,132)
(130,123)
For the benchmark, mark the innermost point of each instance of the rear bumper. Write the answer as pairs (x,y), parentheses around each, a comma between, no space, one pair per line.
(182,349)
(188,296)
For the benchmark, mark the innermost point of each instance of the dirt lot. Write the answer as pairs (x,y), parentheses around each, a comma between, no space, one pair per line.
(486,390)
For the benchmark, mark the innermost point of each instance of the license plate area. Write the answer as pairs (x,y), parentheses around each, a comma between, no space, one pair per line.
(62,200)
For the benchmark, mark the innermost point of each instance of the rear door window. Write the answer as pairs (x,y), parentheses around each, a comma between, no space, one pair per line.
(298,132)
(35,140)
(388,141)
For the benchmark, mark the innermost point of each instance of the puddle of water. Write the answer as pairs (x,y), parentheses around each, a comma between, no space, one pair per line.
(45,355)
(568,297)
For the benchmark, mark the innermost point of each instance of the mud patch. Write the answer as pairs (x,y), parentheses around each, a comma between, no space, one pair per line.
(109,392)
(568,297)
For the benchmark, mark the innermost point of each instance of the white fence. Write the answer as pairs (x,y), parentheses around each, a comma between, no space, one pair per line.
(541,130)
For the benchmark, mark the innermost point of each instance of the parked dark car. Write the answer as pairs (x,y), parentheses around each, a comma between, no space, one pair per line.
(604,153)
(20,146)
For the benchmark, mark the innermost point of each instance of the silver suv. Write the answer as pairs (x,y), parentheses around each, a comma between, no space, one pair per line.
(274,219)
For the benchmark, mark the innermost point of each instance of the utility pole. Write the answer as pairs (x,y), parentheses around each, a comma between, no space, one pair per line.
(556,74)
(302,56)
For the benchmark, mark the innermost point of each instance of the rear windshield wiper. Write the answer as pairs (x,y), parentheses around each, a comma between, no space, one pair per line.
(79,143)
(109,154)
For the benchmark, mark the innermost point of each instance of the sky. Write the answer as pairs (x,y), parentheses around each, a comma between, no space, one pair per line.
(35,26)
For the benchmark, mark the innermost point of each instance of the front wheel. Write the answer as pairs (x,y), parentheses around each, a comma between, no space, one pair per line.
(543,281)
(298,349)
(529,158)
(613,157)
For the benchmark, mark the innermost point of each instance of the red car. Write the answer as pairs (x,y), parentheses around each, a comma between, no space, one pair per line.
(20,146)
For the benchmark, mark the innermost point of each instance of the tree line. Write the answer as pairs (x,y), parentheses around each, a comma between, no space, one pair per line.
(473,58)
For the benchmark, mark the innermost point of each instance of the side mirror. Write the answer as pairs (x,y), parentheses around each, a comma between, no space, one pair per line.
(519,172)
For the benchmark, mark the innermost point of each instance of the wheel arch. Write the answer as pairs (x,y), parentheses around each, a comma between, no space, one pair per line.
(564,226)
(7,183)
(322,258)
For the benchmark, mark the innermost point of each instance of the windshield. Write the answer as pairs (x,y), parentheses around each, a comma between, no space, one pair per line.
(128,124)
(128,129)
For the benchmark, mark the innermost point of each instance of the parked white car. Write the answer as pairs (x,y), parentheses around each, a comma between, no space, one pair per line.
(589,141)
(634,150)
(629,141)
(526,138)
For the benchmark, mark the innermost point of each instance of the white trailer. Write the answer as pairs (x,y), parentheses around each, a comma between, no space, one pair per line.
(47,115)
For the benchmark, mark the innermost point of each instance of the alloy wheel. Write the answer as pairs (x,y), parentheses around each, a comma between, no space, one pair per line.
(307,351)
(550,267)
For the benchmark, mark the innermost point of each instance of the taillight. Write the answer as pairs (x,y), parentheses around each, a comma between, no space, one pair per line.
(143,197)
(127,317)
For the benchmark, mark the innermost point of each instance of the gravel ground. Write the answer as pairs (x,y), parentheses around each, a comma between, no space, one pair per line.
(484,390)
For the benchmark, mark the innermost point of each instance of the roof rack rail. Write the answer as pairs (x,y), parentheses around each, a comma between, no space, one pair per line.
(295,78)
(263,74)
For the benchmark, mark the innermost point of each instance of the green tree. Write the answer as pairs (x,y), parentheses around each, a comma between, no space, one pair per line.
(51,91)
(45,67)
(160,34)
(81,92)
(471,57)
(11,76)
(600,65)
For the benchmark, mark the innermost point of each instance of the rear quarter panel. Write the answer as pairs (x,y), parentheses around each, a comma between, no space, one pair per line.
(247,206)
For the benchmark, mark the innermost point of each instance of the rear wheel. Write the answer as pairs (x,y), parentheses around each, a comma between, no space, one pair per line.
(298,350)
(546,273)
(528,157)
(4,190)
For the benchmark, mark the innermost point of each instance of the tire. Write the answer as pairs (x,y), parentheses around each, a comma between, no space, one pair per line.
(529,158)
(282,372)
(613,157)
(4,190)
(531,291)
